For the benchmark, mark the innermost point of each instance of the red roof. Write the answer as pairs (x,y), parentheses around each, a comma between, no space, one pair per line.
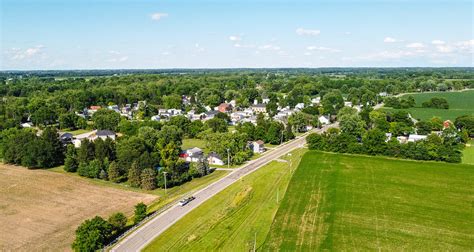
(95,107)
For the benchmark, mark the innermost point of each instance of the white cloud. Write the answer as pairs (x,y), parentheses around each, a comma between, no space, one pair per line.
(438,42)
(235,38)
(119,59)
(19,54)
(322,48)
(158,16)
(467,45)
(390,40)
(307,32)
(416,45)
(445,48)
(269,47)
(238,45)
(348,33)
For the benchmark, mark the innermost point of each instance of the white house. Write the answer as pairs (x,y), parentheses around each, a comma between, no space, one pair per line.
(259,108)
(299,106)
(316,101)
(193,155)
(214,159)
(26,125)
(416,138)
(155,118)
(103,134)
(257,146)
(323,120)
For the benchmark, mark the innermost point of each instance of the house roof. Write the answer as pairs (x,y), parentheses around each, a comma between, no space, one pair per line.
(194,150)
(214,155)
(105,133)
(259,106)
(260,142)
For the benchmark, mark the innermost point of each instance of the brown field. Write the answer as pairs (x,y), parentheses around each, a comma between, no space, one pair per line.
(40,210)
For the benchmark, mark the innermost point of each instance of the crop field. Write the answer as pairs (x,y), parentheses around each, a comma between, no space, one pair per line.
(345,203)
(468,153)
(460,103)
(236,217)
(40,210)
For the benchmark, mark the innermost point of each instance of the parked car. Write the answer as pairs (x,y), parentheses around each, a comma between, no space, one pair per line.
(185,201)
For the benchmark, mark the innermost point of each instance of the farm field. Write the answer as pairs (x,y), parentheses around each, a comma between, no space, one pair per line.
(460,103)
(343,202)
(468,153)
(40,210)
(232,219)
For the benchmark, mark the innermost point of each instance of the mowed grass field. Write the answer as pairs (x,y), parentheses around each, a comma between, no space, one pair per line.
(345,203)
(232,219)
(460,103)
(468,153)
(40,210)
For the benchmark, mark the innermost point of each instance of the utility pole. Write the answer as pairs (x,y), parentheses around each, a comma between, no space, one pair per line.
(255,243)
(164,174)
(228,158)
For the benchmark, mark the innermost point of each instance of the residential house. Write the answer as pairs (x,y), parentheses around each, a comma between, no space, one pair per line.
(155,118)
(214,159)
(257,146)
(224,108)
(299,106)
(416,138)
(65,137)
(316,101)
(259,108)
(193,154)
(323,120)
(26,125)
(103,134)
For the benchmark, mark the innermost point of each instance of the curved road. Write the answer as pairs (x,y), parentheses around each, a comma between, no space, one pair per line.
(146,233)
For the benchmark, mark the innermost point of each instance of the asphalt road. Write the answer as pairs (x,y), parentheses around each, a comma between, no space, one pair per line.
(146,233)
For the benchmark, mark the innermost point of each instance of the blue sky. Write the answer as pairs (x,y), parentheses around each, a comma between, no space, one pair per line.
(73,34)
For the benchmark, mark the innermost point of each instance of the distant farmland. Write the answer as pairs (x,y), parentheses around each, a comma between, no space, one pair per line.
(460,103)
(40,210)
(342,202)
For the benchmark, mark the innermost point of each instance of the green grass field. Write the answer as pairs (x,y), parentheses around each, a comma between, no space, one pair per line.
(468,153)
(460,103)
(193,142)
(232,219)
(346,203)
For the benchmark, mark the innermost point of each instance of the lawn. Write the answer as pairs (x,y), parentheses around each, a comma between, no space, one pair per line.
(192,142)
(40,210)
(468,153)
(342,202)
(232,219)
(460,103)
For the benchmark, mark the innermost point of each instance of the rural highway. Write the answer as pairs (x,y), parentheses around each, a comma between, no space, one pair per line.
(153,228)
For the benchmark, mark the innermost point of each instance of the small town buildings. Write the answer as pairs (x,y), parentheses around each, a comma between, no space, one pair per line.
(447,124)
(259,108)
(299,106)
(416,138)
(193,154)
(155,118)
(214,159)
(224,108)
(323,120)
(65,137)
(257,146)
(388,136)
(402,139)
(316,101)
(348,104)
(26,125)
(103,134)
